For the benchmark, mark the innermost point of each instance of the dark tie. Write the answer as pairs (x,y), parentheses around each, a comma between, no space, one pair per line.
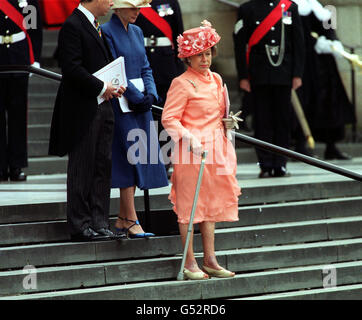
(98,27)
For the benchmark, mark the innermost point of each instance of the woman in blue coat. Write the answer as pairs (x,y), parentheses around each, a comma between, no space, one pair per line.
(136,160)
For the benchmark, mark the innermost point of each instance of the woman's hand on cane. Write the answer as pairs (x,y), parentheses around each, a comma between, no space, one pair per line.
(195,146)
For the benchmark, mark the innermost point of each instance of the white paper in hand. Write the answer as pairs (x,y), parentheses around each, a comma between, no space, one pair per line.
(123,102)
(113,73)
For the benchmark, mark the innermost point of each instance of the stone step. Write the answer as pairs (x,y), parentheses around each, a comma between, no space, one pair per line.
(160,269)
(26,202)
(241,285)
(50,35)
(164,221)
(225,239)
(38,85)
(38,148)
(347,292)
(40,116)
(46,165)
(41,101)
(48,49)
(37,132)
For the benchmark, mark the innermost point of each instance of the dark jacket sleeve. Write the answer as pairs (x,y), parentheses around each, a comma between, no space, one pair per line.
(240,44)
(36,34)
(71,61)
(178,29)
(298,44)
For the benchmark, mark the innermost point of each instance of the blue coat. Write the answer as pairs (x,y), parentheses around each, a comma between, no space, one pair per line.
(133,157)
(130,45)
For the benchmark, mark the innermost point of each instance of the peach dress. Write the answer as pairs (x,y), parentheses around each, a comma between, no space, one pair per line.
(195,106)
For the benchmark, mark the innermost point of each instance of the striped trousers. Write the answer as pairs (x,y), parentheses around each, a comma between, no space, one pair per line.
(89,174)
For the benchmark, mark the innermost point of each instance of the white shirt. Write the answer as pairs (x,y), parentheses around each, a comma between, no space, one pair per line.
(89,15)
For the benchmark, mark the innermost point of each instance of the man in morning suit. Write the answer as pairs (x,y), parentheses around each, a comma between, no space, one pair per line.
(20,44)
(269,53)
(80,127)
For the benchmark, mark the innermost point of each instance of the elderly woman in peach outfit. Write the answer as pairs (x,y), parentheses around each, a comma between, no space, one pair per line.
(194,116)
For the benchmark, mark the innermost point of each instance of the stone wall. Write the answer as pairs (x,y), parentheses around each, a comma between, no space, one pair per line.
(223,17)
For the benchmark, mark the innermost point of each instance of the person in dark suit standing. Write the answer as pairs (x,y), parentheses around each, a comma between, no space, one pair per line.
(269,53)
(20,44)
(80,127)
(161,24)
(322,95)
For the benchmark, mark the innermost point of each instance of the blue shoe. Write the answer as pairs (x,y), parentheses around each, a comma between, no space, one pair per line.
(133,235)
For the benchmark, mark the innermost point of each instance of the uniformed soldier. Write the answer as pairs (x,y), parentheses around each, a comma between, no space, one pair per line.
(322,95)
(20,44)
(161,24)
(269,53)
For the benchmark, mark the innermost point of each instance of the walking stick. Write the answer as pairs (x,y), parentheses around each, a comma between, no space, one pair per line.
(180,275)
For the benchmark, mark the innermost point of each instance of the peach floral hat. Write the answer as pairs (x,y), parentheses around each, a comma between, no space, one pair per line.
(196,40)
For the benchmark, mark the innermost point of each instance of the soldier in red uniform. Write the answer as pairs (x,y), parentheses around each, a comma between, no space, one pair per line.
(54,12)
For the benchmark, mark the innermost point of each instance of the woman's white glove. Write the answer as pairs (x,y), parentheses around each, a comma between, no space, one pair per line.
(195,146)
(231,122)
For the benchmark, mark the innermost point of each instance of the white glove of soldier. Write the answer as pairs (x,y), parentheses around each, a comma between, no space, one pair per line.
(323,45)
(36,65)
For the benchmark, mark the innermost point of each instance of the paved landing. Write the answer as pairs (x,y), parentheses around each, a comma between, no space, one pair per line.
(52,188)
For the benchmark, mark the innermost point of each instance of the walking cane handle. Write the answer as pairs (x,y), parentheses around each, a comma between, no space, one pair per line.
(204,154)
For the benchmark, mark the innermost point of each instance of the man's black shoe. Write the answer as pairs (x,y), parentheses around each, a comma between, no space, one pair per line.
(281,172)
(266,173)
(336,155)
(4,176)
(17,175)
(111,235)
(88,234)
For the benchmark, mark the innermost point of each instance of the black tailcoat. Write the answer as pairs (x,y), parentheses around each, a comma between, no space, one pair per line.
(81,52)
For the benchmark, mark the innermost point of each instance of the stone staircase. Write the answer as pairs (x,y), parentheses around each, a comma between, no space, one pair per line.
(292,233)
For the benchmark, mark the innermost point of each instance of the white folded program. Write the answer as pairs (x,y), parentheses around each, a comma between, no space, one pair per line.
(12,38)
(157,42)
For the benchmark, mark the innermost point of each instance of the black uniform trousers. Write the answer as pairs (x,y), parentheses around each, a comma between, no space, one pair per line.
(272,112)
(13,121)
(89,174)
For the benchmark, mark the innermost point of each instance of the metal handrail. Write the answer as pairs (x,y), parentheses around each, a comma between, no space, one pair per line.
(230,3)
(243,138)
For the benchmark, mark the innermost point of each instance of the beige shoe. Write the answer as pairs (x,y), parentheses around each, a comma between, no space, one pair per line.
(222,273)
(198,275)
